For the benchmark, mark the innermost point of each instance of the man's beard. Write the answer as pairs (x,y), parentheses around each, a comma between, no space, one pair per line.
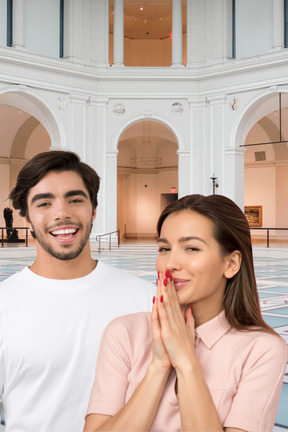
(63,255)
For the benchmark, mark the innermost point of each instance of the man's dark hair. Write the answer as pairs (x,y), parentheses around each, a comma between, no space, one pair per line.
(57,160)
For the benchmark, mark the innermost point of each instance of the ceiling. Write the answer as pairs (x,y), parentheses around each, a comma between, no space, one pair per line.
(148,19)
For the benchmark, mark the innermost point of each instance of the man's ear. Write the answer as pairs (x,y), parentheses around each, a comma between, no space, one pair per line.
(93,215)
(233,264)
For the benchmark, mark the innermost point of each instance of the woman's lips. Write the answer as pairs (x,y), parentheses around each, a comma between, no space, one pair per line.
(179,283)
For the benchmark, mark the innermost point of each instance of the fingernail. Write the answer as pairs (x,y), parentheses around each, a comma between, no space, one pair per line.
(165,282)
(171,278)
(157,280)
(154,298)
(167,273)
(161,298)
(191,309)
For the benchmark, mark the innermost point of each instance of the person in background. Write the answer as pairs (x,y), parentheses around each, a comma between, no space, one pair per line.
(204,360)
(53,313)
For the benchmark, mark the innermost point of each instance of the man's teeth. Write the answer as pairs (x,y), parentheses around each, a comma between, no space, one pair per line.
(64,231)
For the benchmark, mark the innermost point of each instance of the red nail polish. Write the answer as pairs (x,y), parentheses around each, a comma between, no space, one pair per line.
(170,276)
(192,310)
(161,298)
(167,273)
(157,280)
(154,298)
(165,282)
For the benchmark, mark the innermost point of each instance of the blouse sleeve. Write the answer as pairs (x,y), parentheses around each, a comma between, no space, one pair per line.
(254,406)
(113,366)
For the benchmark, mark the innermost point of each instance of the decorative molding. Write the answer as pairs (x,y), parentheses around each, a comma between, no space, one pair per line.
(119,109)
(177,108)
(62,102)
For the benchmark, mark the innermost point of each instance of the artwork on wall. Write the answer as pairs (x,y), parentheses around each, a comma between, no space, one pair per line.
(254,215)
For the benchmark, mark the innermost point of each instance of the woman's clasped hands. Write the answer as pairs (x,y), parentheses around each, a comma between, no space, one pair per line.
(173,334)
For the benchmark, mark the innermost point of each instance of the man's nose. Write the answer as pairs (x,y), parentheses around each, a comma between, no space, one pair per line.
(62,210)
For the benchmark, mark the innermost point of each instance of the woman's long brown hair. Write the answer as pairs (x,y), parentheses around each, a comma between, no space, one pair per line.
(232,232)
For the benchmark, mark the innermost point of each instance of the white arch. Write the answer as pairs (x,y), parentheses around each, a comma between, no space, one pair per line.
(261,104)
(129,122)
(29,100)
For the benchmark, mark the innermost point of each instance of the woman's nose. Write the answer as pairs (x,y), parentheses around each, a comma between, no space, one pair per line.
(173,262)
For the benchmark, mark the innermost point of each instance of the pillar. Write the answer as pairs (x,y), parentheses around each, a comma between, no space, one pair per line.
(177,33)
(18,24)
(118,34)
(278,24)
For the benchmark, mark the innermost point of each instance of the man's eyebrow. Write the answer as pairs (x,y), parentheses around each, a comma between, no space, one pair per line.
(40,196)
(76,192)
(48,195)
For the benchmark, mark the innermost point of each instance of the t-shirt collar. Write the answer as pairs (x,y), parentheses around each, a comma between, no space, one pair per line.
(213,330)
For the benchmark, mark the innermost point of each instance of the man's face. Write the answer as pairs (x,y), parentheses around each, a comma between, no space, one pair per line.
(60,214)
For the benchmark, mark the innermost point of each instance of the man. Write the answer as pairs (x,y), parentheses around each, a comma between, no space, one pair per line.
(52,314)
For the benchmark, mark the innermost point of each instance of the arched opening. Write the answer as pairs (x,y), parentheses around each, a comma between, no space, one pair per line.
(147,178)
(27,128)
(266,170)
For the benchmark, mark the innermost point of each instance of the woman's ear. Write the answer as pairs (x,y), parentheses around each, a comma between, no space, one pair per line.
(233,262)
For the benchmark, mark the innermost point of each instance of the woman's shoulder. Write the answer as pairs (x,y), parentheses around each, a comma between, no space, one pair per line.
(258,343)
(135,323)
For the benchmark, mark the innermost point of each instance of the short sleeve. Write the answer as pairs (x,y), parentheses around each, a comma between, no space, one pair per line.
(254,406)
(112,369)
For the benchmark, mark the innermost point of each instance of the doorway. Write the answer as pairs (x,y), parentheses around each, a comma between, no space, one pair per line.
(147,169)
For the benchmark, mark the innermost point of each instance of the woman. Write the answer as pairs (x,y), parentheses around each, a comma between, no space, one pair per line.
(204,360)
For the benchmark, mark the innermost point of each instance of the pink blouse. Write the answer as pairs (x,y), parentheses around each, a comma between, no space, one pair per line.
(243,371)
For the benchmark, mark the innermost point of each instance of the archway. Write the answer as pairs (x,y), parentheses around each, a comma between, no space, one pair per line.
(27,127)
(147,178)
(266,166)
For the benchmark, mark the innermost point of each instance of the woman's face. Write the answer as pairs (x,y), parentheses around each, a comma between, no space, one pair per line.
(189,250)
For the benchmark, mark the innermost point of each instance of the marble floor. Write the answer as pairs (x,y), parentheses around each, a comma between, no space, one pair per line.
(271,266)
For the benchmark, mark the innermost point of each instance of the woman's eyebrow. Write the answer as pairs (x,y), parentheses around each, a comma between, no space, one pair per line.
(185,239)
(182,239)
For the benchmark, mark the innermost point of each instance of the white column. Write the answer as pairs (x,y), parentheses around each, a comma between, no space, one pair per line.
(96,155)
(200,178)
(217,140)
(100,33)
(235,173)
(78,124)
(18,24)
(195,33)
(177,33)
(184,173)
(278,24)
(118,34)
(111,192)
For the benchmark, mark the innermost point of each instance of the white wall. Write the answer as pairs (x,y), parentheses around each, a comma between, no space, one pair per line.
(253,27)
(42,24)
(3,22)
(139,200)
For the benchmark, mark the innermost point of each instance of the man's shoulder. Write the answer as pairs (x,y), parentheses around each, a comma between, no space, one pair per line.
(15,277)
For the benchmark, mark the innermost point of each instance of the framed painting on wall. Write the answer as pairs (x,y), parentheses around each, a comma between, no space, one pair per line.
(254,215)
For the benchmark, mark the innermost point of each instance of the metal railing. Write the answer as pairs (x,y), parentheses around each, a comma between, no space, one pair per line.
(5,240)
(268,232)
(99,237)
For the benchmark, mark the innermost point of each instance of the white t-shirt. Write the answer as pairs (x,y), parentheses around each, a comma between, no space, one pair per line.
(50,332)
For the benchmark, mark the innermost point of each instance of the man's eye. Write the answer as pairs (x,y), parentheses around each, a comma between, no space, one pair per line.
(43,204)
(76,200)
